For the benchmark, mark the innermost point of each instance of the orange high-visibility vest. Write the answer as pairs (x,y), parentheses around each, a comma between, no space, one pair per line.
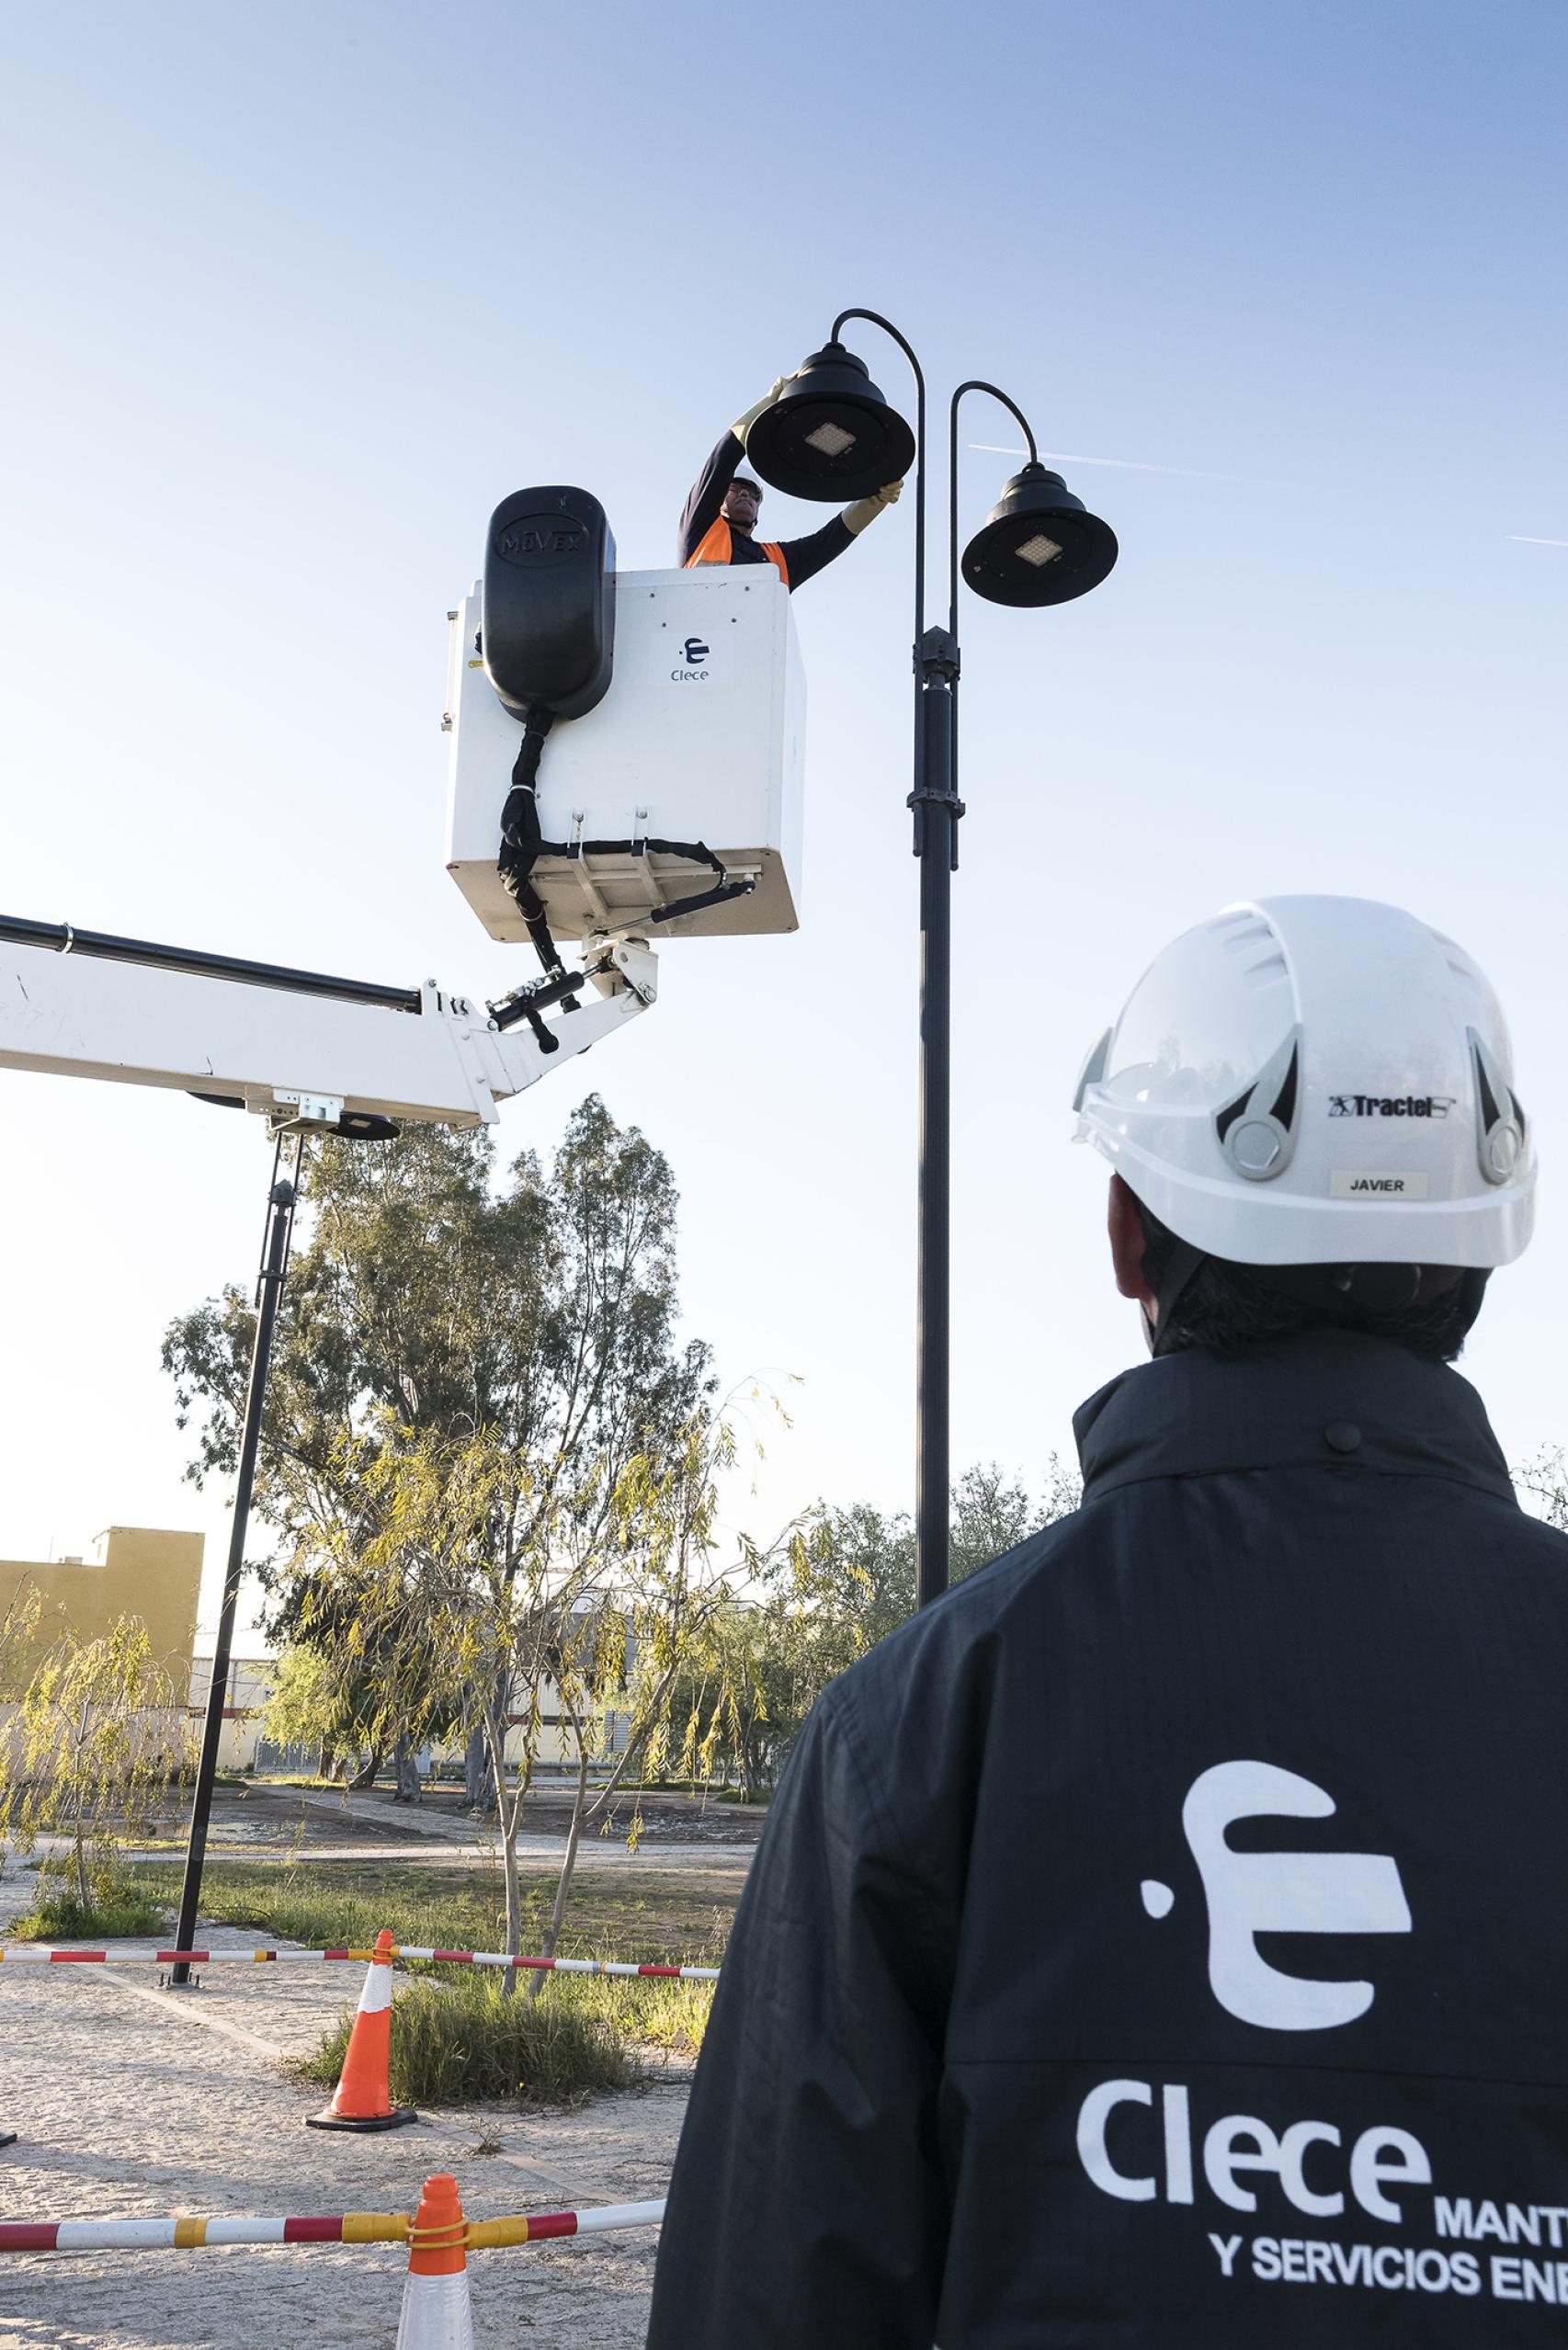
(716,545)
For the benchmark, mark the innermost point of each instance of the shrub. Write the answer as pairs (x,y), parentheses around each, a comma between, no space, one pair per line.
(456,2044)
(116,1907)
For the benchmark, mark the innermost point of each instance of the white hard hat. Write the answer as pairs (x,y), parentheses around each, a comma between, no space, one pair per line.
(1317,1081)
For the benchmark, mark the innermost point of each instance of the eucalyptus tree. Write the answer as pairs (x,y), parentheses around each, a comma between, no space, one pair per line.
(432,1300)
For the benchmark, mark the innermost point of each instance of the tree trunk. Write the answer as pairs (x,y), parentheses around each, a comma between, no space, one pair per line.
(366,1777)
(568,1863)
(325,1761)
(81,1804)
(508,1816)
(408,1790)
(476,1777)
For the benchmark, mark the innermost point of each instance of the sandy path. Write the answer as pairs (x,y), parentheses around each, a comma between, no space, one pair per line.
(131,2103)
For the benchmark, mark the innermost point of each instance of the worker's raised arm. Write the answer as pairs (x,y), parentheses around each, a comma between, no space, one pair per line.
(806,2205)
(702,506)
(701,510)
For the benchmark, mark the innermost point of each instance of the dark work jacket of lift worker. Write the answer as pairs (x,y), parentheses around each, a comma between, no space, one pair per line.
(705,538)
(1163,1938)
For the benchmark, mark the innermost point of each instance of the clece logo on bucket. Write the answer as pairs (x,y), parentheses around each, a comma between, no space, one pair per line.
(690,659)
(1165,2142)
(1390,1105)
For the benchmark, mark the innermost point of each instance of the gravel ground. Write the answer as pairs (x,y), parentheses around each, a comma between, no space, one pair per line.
(128,2101)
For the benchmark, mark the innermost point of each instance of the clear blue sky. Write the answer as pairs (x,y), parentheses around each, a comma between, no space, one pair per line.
(297,294)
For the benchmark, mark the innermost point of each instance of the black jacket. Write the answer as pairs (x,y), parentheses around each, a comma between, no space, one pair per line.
(1164,1939)
(803,558)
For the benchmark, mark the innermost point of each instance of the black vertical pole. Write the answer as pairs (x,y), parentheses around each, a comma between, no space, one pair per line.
(274,1273)
(936,812)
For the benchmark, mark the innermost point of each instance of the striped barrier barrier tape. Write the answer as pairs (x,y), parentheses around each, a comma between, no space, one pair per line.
(42,1955)
(557,1966)
(342,2227)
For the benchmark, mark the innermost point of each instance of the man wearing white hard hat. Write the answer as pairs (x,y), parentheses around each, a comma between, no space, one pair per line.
(1164,1939)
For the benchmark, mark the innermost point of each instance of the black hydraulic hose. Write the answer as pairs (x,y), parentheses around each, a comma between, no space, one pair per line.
(61,938)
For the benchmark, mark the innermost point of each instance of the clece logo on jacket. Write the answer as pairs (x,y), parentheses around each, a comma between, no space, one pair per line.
(1319,2171)
(1249,1893)
(1163,2143)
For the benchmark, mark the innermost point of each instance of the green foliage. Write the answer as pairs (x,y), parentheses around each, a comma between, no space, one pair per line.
(486,1581)
(92,1748)
(456,2043)
(58,1915)
(314,1702)
(846,1580)
(19,1631)
(429,1299)
(487,1458)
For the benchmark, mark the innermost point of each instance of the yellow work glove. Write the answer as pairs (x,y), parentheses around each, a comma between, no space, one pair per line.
(742,424)
(866,510)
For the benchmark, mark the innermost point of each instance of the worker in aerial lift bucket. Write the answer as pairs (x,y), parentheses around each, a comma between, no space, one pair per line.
(720,522)
(1174,1912)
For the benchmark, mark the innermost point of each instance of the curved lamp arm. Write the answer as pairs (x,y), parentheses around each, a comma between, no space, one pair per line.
(888,327)
(1013,409)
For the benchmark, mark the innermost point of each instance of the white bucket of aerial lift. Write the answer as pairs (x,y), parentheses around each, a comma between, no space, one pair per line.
(701,737)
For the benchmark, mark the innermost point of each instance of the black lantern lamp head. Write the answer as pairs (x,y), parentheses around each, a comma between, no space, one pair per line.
(1040,544)
(830,433)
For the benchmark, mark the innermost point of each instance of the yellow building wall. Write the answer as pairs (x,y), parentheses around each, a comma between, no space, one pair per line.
(149,1571)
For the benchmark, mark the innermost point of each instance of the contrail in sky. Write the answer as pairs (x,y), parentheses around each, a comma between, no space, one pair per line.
(1124,464)
(1192,473)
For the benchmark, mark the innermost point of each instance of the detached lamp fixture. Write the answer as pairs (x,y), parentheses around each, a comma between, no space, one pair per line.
(831,434)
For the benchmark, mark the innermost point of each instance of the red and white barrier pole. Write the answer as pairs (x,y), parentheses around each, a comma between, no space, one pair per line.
(341,2228)
(39,1953)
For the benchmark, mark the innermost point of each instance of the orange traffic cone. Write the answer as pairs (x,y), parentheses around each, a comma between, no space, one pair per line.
(437,2314)
(362,2099)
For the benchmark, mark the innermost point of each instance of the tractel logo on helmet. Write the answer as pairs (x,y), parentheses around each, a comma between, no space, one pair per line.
(1390,1105)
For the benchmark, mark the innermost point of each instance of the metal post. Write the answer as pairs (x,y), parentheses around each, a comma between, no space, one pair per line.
(936,812)
(938,809)
(269,1290)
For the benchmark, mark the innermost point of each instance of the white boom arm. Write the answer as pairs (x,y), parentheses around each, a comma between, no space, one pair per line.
(304,1049)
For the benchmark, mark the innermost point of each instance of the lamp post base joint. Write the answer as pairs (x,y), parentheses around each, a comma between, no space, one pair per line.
(937,657)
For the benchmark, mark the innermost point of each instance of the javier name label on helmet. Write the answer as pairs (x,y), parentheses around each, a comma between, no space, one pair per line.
(1367,1182)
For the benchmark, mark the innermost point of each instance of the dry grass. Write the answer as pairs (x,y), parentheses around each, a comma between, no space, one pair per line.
(457,2038)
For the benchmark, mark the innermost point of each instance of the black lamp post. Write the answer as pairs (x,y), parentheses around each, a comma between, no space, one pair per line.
(830,434)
